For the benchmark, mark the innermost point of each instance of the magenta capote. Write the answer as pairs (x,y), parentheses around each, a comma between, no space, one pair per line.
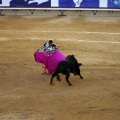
(50,60)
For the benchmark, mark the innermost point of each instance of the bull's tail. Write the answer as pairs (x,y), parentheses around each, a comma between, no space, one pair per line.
(80,64)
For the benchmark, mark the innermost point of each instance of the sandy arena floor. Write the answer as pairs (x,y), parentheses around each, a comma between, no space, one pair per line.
(25,94)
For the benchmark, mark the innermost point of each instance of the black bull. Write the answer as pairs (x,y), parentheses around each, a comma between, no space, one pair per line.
(67,66)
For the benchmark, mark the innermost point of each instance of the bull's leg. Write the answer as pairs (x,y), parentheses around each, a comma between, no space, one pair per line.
(81,76)
(67,77)
(53,75)
(58,77)
(79,73)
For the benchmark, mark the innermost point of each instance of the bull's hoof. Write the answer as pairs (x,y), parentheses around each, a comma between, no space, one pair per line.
(51,84)
(59,80)
(81,77)
(75,74)
(70,84)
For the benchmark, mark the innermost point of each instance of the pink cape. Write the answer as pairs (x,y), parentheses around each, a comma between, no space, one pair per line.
(49,60)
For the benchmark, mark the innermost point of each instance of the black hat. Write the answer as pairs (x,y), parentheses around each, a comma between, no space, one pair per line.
(50,41)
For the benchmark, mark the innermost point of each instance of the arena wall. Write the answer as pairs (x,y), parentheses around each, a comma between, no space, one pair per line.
(62,11)
(60,7)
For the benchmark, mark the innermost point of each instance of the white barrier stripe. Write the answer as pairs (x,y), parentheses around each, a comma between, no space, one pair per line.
(78,32)
(58,8)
